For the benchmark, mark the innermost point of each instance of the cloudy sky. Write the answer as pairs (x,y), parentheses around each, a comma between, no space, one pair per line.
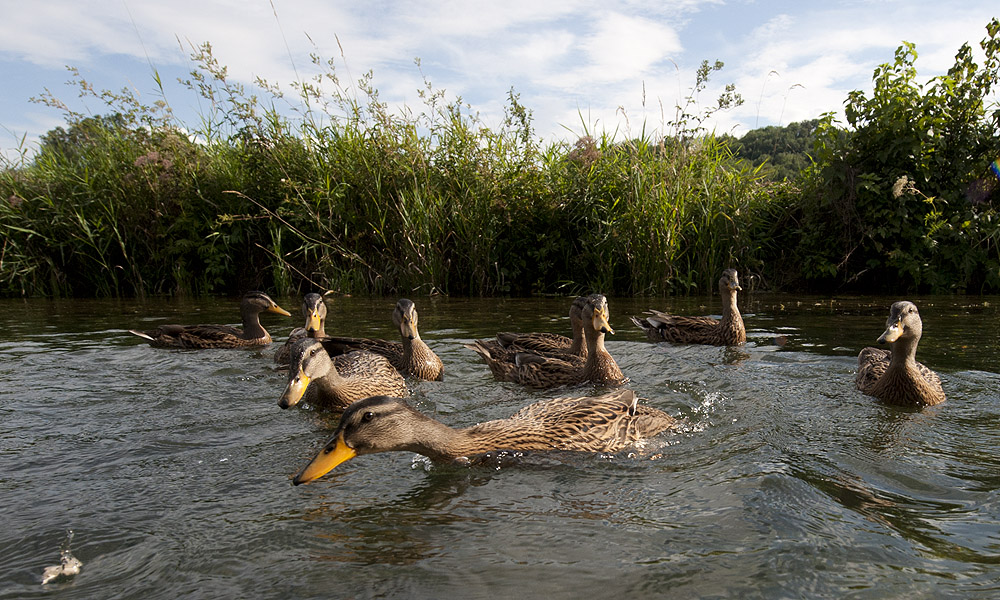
(615,65)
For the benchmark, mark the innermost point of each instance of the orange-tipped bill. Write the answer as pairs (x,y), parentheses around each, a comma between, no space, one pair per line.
(294,391)
(333,453)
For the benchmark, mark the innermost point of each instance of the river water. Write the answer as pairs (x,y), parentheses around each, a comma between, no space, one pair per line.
(172,468)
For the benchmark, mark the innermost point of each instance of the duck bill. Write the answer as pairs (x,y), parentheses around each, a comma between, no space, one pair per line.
(407,330)
(294,391)
(891,334)
(315,323)
(335,452)
(277,309)
(601,324)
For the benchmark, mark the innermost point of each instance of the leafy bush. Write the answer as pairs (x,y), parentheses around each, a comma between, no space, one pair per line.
(904,200)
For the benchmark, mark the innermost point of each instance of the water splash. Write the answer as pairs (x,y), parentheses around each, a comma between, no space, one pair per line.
(420,462)
(68,566)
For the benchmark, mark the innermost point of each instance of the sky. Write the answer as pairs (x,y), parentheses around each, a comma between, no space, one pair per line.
(616,66)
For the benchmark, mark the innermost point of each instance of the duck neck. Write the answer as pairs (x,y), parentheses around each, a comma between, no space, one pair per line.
(317,333)
(730,312)
(902,382)
(439,442)
(577,347)
(600,366)
(328,380)
(252,329)
(903,355)
(419,360)
(410,346)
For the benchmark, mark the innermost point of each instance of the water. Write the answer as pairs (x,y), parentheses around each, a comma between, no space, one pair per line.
(173,468)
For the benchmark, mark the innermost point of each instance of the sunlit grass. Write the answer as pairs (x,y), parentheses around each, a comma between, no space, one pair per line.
(357,199)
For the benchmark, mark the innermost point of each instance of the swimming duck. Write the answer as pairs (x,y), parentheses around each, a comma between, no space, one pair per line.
(540,371)
(607,423)
(663,327)
(314,310)
(338,381)
(895,376)
(546,344)
(219,336)
(411,357)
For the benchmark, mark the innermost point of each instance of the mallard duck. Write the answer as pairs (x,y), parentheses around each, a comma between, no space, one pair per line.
(539,371)
(545,344)
(338,381)
(219,336)
(411,357)
(663,327)
(314,310)
(608,423)
(895,376)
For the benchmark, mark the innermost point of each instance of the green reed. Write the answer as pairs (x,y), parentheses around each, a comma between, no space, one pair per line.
(355,198)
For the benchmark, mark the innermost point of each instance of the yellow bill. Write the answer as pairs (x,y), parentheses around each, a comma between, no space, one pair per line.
(314,321)
(294,391)
(335,452)
(601,323)
(277,309)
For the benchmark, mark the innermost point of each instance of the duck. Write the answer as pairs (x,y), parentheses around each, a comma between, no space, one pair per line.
(541,371)
(314,310)
(894,376)
(608,423)
(338,381)
(543,343)
(412,356)
(253,333)
(729,331)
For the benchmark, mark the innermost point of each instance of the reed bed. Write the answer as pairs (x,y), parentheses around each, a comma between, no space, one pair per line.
(349,196)
(353,198)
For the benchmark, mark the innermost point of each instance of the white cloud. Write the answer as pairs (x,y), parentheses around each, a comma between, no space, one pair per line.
(596,58)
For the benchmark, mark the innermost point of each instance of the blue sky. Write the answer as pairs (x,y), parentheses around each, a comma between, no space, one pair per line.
(595,65)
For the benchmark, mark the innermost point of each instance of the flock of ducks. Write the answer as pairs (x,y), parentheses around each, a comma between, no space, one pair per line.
(365,379)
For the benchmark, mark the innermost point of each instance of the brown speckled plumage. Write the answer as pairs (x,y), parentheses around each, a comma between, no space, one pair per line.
(333,383)
(314,310)
(608,423)
(729,331)
(546,344)
(895,376)
(541,371)
(411,357)
(218,336)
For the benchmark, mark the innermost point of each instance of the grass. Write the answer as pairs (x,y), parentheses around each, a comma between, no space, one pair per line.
(354,198)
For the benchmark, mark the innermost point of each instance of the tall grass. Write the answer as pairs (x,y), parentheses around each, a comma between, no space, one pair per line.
(355,198)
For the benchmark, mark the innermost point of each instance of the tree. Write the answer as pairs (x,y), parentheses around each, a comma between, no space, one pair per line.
(783,151)
(900,200)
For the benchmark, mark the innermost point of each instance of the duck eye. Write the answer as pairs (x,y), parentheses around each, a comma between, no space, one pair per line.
(368,416)
(312,352)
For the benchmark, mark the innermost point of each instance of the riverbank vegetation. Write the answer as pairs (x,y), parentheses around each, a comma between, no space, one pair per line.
(353,197)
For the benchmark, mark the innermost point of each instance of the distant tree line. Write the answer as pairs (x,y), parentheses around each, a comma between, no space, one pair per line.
(779,152)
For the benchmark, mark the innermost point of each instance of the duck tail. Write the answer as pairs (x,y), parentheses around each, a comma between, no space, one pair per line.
(478,347)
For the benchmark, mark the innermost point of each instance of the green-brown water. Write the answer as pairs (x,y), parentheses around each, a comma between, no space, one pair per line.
(172,468)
